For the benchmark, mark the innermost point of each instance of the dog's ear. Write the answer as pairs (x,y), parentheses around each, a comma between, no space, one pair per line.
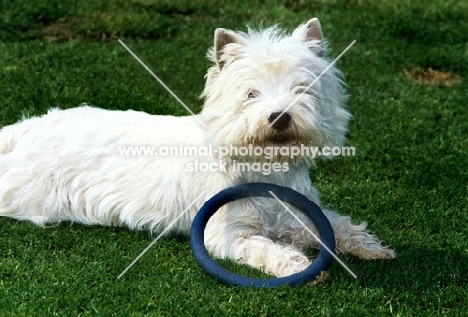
(222,37)
(312,31)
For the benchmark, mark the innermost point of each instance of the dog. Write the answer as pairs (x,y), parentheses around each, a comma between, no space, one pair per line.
(66,165)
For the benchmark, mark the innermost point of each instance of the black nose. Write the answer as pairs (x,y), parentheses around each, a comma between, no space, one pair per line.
(281,120)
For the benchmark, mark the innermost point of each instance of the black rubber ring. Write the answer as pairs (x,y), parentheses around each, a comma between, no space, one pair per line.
(286,194)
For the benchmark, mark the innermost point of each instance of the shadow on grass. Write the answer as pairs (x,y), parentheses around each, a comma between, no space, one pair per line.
(416,269)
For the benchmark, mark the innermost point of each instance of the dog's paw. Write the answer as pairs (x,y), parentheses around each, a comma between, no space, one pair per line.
(356,240)
(293,263)
(365,246)
(275,259)
(375,252)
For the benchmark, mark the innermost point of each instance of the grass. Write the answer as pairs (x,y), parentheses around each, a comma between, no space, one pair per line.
(407,77)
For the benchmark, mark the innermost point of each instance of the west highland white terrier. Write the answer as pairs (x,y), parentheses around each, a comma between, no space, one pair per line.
(68,164)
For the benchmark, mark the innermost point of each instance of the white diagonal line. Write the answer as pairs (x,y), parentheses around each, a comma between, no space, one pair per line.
(158,237)
(313,82)
(314,235)
(162,83)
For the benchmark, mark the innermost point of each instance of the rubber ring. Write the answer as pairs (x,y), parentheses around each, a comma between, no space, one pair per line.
(286,194)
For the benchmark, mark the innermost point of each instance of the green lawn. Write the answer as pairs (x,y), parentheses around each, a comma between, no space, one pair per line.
(407,77)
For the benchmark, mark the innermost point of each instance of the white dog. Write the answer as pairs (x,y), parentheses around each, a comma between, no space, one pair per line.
(66,165)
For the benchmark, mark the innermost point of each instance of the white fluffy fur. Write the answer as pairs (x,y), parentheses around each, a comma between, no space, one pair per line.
(65,165)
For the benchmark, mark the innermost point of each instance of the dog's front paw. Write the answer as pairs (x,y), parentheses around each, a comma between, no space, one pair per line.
(365,246)
(374,251)
(276,259)
(292,262)
(356,240)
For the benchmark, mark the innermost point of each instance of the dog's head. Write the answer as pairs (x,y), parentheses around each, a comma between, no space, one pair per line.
(259,90)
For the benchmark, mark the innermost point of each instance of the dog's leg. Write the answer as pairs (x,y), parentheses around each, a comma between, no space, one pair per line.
(262,253)
(244,241)
(351,239)
(356,239)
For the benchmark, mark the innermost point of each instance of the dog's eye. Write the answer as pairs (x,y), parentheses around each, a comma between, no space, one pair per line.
(252,94)
(302,89)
